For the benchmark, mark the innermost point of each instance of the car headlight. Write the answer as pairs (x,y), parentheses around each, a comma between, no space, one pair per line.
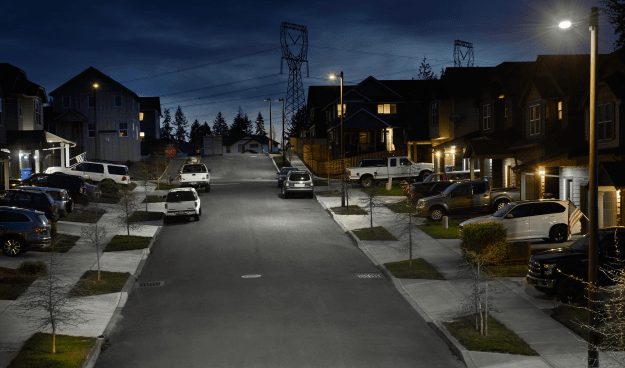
(549,268)
(286,184)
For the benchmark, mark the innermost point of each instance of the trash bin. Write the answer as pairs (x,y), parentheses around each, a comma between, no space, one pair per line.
(26,173)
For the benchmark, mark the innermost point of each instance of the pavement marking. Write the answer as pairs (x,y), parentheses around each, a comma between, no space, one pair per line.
(370,275)
(250,276)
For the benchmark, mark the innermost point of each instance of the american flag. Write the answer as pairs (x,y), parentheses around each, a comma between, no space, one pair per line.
(82,157)
(575,215)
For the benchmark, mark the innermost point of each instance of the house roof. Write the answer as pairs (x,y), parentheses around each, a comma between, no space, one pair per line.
(92,70)
(49,115)
(510,79)
(32,139)
(15,82)
(322,96)
(493,146)
(151,103)
(363,119)
(463,82)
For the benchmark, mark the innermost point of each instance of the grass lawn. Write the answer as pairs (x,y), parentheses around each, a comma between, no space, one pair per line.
(278,160)
(110,282)
(153,199)
(13,283)
(120,243)
(140,216)
(71,351)
(420,270)
(164,186)
(512,270)
(61,243)
(569,315)
(381,189)
(89,216)
(320,182)
(113,198)
(375,233)
(499,340)
(400,207)
(328,193)
(436,231)
(348,210)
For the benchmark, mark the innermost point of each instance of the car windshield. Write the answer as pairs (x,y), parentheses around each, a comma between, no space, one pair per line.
(285,170)
(193,168)
(180,196)
(299,177)
(449,189)
(582,243)
(502,211)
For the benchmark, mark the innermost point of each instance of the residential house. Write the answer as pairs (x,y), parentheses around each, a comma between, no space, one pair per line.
(251,142)
(150,122)
(318,98)
(78,103)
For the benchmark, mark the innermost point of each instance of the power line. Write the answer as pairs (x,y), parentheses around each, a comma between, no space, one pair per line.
(200,66)
(374,53)
(236,99)
(220,85)
(220,94)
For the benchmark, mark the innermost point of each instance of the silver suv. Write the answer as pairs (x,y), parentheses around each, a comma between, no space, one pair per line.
(298,182)
(22,229)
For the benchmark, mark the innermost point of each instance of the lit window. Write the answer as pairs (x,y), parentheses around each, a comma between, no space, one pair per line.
(141,116)
(339,112)
(434,114)
(560,110)
(91,130)
(387,109)
(66,101)
(505,108)
(142,135)
(486,117)
(534,120)
(118,101)
(604,122)
(123,129)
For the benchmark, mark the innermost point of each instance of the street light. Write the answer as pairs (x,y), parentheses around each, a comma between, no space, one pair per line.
(283,151)
(270,132)
(95,123)
(593,186)
(333,76)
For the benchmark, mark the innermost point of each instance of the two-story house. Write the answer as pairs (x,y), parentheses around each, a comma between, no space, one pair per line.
(94,106)
(318,98)
(150,122)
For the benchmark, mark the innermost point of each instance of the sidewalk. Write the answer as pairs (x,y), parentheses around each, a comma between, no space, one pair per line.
(438,301)
(72,265)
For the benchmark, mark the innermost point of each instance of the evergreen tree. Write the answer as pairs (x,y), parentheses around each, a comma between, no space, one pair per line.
(180,122)
(205,129)
(220,127)
(425,71)
(249,126)
(298,123)
(615,10)
(196,134)
(442,72)
(260,125)
(167,129)
(239,125)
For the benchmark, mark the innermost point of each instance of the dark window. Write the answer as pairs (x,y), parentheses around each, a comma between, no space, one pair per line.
(194,168)
(180,196)
(393,162)
(479,188)
(299,177)
(118,101)
(6,196)
(82,167)
(66,101)
(96,168)
(404,161)
(55,195)
(117,170)
(90,130)
(604,122)
(39,179)
(522,210)
(23,197)
(13,217)
(462,190)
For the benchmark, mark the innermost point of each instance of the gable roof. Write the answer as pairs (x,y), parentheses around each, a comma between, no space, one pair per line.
(463,82)
(14,81)
(92,70)
(322,96)
(151,103)
(510,79)
(363,119)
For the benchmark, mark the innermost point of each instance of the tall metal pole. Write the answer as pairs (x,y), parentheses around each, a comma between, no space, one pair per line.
(593,209)
(344,186)
(95,123)
(283,150)
(270,132)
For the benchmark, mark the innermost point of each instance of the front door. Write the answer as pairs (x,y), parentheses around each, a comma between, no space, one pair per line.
(460,199)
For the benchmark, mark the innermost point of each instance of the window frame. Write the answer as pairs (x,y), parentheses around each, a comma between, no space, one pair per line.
(391,107)
(121,102)
(339,110)
(120,130)
(560,110)
(38,113)
(90,131)
(486,117)
(602,123)
(69,102)
(534,128)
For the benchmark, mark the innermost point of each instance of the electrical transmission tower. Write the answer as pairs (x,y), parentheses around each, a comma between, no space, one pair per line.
(294,42)
(459,56)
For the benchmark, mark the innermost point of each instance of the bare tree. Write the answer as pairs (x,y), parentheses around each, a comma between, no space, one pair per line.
(128,204)
(47,303)
(404,223)
(372,202)
(95,235)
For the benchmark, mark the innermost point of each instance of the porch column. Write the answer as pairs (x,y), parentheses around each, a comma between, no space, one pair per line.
(523,197)
(482,168)
(37,158)
(472,168)
(66,149)
(538,185)
(622,200)
(600,212)
(62,155)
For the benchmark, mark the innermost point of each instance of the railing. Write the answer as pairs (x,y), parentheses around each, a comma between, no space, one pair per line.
(319,160)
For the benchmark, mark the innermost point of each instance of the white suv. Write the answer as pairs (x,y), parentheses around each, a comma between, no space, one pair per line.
(535,219)
(96,171)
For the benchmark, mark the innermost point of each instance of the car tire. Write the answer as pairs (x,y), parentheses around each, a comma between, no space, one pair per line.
(284,194)
(501,204)
(197,217)
(70,207)
(366,182)
(570,290)
(436,213)
(200,211)
(12,246)
(558,234)
(207,189)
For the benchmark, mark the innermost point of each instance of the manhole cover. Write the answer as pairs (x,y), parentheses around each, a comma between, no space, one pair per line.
(250,276)
(151,284)
(370,275)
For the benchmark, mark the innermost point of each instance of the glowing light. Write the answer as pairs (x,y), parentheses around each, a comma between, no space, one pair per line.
(95,85)
(502,96)
(438,153)
(541,172)
(332,76)
(564,24)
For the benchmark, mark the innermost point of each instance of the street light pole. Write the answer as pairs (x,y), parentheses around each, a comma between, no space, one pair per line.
(95,123)
(283,151)
(343,180)
(270,132)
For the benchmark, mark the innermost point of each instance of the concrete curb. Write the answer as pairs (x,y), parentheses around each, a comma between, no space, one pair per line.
(437,327)
(94,354)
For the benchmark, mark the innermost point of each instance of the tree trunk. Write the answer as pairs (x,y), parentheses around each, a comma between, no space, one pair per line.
(486,312)
(410,239)
(53,339)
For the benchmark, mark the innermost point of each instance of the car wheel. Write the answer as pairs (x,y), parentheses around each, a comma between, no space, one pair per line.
(570,290)
(197,217)
(366,182)
(284,193)
(500,204)
(208,188)
(200,211)
(12,246)
(436,213)
(558,234)
(70,207)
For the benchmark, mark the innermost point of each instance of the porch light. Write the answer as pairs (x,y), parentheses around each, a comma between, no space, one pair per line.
(502,96)
(541,172)
(438,153)
(452,150)
(141,134)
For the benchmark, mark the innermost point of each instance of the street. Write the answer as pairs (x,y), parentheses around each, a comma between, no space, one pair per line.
(261,281)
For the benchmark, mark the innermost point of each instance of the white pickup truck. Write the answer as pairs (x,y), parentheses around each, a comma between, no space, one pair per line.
(399,167)
(195,176)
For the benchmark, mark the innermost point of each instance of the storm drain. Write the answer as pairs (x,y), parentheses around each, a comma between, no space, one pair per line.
(151,284)
(371,275)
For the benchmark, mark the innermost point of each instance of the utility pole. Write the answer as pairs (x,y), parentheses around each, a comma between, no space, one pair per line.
(283,148)
(270,132)
(95,123)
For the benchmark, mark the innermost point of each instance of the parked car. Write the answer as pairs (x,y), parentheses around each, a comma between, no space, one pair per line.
(546,219)
(62,199)
(470,197)
(195,176)
(93,191)
(181,202)
(400,167)
(559,270)
(426,189)
(371,162)
(75,185)
(298,182)
(30,199)
(96,171)
(283,173)
(22,229)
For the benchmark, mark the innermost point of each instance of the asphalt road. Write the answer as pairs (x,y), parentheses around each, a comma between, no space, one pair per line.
(307,308)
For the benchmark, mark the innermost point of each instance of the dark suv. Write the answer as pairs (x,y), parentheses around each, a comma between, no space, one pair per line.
(557,270)
(75,185)
(21,229)
(30,199)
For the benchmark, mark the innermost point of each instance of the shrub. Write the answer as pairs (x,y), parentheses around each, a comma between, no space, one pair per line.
(481,238)
(33,268)
(53,230)
(109,187)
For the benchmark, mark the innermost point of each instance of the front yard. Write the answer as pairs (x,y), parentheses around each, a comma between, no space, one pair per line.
(436,231)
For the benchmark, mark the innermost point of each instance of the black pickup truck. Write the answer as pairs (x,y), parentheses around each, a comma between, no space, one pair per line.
(556,270)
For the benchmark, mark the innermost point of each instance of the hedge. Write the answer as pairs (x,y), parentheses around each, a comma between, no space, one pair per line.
(476,238)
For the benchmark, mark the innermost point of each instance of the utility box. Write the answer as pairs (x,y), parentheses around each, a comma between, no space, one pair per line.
(213,145)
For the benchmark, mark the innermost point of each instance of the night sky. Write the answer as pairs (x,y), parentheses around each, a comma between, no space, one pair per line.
(216,56)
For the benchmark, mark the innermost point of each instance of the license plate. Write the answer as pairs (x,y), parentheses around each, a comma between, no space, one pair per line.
(298,185)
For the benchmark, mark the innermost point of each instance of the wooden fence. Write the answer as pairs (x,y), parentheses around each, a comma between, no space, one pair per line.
(319,160)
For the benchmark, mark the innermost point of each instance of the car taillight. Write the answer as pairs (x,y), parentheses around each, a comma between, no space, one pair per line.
(412,195)
(349,172)
(80,190)
(39,229)
(124,178)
